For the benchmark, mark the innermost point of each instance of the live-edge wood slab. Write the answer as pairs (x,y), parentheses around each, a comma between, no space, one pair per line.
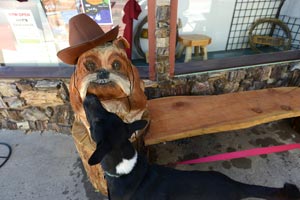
(180,117)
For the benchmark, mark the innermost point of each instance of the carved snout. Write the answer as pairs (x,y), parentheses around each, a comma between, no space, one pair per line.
(102,74)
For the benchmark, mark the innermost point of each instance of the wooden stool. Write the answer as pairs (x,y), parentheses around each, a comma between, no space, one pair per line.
(195,40)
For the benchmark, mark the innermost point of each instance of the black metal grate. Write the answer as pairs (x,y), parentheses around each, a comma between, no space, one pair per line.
(294,26)
(245,13)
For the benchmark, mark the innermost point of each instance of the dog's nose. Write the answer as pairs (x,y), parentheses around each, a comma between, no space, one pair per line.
(102,74)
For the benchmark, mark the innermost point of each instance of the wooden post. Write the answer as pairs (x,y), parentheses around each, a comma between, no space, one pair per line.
(151,38)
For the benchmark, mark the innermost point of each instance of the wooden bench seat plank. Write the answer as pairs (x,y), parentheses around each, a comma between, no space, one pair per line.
(180,117)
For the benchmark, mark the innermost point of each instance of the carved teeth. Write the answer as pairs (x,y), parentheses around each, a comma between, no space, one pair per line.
(102,81)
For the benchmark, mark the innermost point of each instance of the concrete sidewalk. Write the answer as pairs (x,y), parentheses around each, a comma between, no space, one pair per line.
(269,170)
(43,166)
(47,167)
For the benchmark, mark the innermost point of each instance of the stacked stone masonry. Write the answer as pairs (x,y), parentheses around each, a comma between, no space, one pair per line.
(162,34)
(35,104)
(227,81)
(43,104)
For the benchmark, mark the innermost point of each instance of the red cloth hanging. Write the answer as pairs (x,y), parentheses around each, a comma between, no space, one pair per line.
(131,11)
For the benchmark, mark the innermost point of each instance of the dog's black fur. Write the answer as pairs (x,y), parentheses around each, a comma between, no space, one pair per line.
(144,181)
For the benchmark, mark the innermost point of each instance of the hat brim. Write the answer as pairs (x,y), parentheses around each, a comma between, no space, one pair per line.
(70,54)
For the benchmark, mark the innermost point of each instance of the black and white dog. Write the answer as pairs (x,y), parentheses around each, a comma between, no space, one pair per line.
(129,176)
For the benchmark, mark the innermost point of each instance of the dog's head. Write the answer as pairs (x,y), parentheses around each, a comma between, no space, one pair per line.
(105,71)
(107,129)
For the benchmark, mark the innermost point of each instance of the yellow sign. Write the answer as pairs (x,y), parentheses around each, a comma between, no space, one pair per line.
(94,2)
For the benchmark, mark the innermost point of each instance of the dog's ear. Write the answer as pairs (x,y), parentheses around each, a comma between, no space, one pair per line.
(136,125)
(121,42)
(99,153)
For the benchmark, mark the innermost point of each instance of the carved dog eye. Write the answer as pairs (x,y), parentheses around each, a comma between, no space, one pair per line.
(116,65)
(90,65)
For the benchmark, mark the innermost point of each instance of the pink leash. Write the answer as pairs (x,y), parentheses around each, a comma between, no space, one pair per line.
(242,154)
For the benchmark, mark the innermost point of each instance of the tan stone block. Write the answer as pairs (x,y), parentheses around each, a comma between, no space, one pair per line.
(162,33)
(42,98)
(13,115)
(2,103)
(23,125)
(163,2)
(8,89)
(33,114)
(47,84)
(13,102)
(163,13)
(162,42)
(24,85)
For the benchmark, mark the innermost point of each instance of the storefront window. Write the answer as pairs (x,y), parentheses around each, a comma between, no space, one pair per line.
(33,31)
(242,27)
(234,26)
(26,36)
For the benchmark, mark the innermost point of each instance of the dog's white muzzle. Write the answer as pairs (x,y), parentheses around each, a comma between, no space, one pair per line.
(122,82)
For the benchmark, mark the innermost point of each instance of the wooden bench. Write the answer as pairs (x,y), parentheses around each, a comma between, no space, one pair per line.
(180,117)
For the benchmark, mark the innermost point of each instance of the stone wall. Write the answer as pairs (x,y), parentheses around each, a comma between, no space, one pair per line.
(35,104)
(162,34)
(226,81)
(43,104)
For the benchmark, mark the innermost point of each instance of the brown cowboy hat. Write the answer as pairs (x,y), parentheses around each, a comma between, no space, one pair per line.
(84,34)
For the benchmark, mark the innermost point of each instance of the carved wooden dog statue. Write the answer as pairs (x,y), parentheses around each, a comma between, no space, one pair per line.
(106,72)
(103,69)
(130,177)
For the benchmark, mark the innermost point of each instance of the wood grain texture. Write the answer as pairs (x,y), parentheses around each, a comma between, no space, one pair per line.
(180,117)
(85,148)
